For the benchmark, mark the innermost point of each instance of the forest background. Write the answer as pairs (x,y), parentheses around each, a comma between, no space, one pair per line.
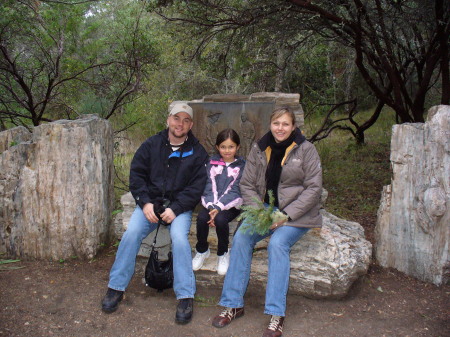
(359,67)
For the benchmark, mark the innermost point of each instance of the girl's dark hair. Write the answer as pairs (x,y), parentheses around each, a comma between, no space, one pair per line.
(225,134)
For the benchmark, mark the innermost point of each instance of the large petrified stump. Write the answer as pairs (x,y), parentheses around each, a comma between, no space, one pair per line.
(413,225)
(56,189)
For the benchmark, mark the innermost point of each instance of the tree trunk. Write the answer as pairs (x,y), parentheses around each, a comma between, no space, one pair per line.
(359,134)
(279,78)
(443,42)
(360,137)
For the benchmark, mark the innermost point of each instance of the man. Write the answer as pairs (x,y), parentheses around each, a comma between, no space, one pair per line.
(170,165)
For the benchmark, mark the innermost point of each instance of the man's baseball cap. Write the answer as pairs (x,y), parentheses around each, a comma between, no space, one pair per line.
(181,107)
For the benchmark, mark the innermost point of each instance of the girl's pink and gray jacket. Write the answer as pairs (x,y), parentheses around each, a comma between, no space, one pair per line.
(222,186)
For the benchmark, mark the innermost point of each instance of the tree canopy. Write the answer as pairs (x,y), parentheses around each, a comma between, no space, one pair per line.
(63,58)
(400,47)
(59,60)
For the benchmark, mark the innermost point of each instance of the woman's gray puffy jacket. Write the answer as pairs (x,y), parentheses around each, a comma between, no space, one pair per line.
(300,185)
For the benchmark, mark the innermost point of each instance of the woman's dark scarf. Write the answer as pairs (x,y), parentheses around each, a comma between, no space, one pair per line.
(273,171)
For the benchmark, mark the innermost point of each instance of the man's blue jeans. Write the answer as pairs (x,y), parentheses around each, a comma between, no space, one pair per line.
(138,229)
(238,274)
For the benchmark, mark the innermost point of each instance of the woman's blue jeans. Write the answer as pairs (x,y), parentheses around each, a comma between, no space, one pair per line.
(238,274)
(138,229)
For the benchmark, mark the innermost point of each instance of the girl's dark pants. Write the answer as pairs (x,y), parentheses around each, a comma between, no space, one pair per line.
(222,220)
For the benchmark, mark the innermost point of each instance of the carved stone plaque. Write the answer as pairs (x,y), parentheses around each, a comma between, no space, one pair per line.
(249,119)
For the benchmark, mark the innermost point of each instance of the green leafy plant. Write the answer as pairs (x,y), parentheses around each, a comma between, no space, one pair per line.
(2,262)
(258,219)
(117,211)
(8,261)
(205,301)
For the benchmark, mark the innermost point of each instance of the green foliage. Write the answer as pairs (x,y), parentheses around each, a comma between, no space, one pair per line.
(258,46)
(259,43)
(9,267)
(117,211)
(122,164)
(354,175)
(117,35)
(8,261)
(61,60)
(258,219)
(205,301)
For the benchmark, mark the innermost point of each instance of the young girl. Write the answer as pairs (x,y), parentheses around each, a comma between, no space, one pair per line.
(220,199)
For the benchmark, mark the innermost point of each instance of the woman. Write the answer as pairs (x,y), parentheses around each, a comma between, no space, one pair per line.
(286,163)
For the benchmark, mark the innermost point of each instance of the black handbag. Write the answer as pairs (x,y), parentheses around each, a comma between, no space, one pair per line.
(159,273)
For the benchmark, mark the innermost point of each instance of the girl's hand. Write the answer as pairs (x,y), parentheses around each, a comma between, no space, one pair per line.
(212,215)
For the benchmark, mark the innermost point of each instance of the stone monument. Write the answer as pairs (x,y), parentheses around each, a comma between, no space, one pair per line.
(249,119)
(249,115)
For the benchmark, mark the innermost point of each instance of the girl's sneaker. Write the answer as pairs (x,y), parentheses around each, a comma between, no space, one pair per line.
(223,262)
(199,259)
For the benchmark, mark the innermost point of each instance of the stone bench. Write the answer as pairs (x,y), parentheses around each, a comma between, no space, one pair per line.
(324,263)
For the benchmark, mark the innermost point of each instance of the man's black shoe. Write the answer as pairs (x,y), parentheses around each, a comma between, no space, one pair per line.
(185,309)
(111,300)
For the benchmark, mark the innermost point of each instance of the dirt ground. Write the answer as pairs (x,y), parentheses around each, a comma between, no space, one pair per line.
(63,299)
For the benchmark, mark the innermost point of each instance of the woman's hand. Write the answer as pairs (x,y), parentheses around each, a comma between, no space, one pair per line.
(212,215)
(278,224)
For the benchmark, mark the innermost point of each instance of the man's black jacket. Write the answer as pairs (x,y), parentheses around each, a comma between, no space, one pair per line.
(157,171)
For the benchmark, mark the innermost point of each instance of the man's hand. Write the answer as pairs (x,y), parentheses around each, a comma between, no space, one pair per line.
(150,213)
(168,216)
